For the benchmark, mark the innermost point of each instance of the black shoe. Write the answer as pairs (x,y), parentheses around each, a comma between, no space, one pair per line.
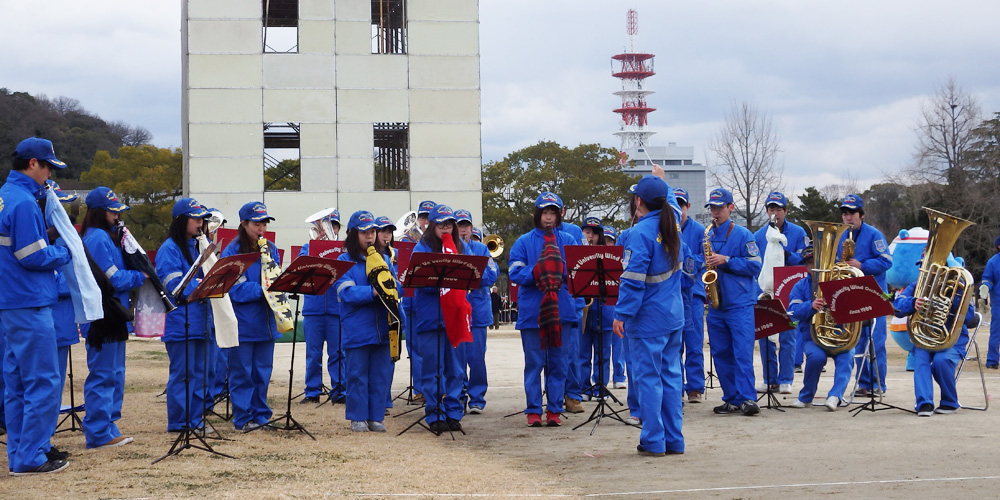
(925,410)
(439,427)
(309,399)
(992,367)
(46,468)
(726,408)
(454,425)
(54,454)
(749,408)
(646,453)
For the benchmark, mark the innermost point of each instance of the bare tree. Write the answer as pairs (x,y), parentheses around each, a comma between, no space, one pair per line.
(943,134)
(746,149)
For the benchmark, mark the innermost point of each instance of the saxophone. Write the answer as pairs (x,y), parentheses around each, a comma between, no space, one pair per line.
(825,332)
(270,270)
(711,277)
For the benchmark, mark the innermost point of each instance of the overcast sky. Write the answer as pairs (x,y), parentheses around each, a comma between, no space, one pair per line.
(843,81)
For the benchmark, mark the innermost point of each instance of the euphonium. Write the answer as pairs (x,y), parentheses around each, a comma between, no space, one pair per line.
(940,286)
(407,227)
(825,332)
(711,276)
(494,243)
(269,270)
(322,226)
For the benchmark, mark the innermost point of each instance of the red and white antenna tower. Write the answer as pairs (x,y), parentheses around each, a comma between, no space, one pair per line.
(633,68)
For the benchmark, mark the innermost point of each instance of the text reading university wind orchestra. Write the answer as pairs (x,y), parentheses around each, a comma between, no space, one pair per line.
(94,280)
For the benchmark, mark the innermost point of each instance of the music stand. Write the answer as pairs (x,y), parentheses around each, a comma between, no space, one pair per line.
(75,424)
(770,318)
(306,275)
(439,270)
(216,283)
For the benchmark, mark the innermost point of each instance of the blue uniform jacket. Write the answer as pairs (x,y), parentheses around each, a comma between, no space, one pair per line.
(170,268)
(479,299)
(524,254)
(365,320)
(991,275)
(255,318)
(738,277)
(649,297)
(871,250)
(800,301)
(427,300)
(27,261)
(63,316)
(693,235)
(904,306)
(109,258)
(314,305)
(796,240)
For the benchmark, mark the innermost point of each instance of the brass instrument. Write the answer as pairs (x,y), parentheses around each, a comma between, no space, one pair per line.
(269,270)
(940,286)
(825,332)
(711,276)
(407,227)
(494,243)
(322,225)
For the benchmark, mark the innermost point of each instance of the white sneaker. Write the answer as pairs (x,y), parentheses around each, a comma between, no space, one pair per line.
(634,421)
(359,426)
(832,403)
(785,388)
(620,385)
(798,404)
(375,426)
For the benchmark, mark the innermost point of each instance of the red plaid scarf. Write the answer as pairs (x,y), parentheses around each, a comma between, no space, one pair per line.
(455,308)
(548,274)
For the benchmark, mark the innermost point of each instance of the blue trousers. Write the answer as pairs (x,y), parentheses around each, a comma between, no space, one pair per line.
(472,361)
(632,392)
(656,364)
(62,353)
(319,329)
(730,334)
(865,372)
(250,366)
(31,397)
(553,362)
(778,368)
(441,377)
(217,360)
(939,366)
(617,359)
(179,400)
(3,347)
(369,369)
(815,361)
(993,350)
(413,348)
(571,350)
(595,357)
(102,393)
(694,346)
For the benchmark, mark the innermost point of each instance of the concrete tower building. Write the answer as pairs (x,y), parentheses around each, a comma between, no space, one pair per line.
(378,102)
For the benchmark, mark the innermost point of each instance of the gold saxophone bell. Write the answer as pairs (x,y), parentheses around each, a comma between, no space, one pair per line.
(711,276)
(494,243)
(825,332)
(940,286)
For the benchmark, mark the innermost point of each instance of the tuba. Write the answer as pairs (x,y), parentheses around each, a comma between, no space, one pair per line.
(711,276)
(494,243)
(826,333)
(407,227)
(940,286)
(322,226)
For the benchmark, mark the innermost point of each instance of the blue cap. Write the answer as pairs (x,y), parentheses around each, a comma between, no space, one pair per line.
(463,215)
(425,207)
(254,211)
(335,216)
(719,198)
(651,187)
(996,242)
(63,197)
(776,198)
(384,222)
(631,189)
(362,220)
(190,208)
(441,213)
(39,149)
(548,199)
(104,197)
(477,233)
(853,203)
(592,222)
(682,195)
(609,232)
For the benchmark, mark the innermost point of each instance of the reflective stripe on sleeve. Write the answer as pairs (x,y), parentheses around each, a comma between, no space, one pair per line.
(30,249)
(5,241)
(755,259)
(343,285)
(111,271)
(659,278)
(514,265)
(171,276)
(629,275)
(793,302)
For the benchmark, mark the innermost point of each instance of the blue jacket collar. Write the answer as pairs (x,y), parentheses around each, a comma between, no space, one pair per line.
(27,183)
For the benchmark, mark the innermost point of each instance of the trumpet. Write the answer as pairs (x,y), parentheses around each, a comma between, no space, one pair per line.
(494,243)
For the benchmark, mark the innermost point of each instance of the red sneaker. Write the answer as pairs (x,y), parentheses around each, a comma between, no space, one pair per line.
(534,420)
(552,419)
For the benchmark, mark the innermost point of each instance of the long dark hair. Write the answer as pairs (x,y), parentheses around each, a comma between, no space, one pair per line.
(247,243)
(178,233)
(430,238)
(668,228)
(537,217)
(352,244)
(97,218)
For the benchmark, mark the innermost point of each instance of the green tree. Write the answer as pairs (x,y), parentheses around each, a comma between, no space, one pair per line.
(588,178)
(148,179)
(813,206)
(285,176)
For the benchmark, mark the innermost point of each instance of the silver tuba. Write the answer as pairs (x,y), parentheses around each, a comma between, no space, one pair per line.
(322,225)
(407,227)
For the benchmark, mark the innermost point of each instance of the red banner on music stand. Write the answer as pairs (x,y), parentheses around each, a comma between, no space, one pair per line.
(441,270)
(310,275)
(223,276)
(403,251)
(770,317)
(326,248)
(785,279)
(855,299)
(587,265)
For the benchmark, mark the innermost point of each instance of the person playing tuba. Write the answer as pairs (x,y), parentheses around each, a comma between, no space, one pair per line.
(321,321)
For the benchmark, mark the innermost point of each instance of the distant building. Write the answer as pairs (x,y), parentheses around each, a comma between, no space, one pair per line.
(682,171)
(378,101)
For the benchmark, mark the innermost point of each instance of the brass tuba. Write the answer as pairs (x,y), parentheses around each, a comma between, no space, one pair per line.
(494,243)
(407,227)
(825,332)
(940,286)
(322,225)
(711,276)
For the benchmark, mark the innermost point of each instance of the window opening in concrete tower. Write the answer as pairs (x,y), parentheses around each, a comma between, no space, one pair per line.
(281,26)
(392,156)
(282,164)
(388,26)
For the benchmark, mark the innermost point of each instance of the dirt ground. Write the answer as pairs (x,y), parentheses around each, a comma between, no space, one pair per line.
(802,453)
